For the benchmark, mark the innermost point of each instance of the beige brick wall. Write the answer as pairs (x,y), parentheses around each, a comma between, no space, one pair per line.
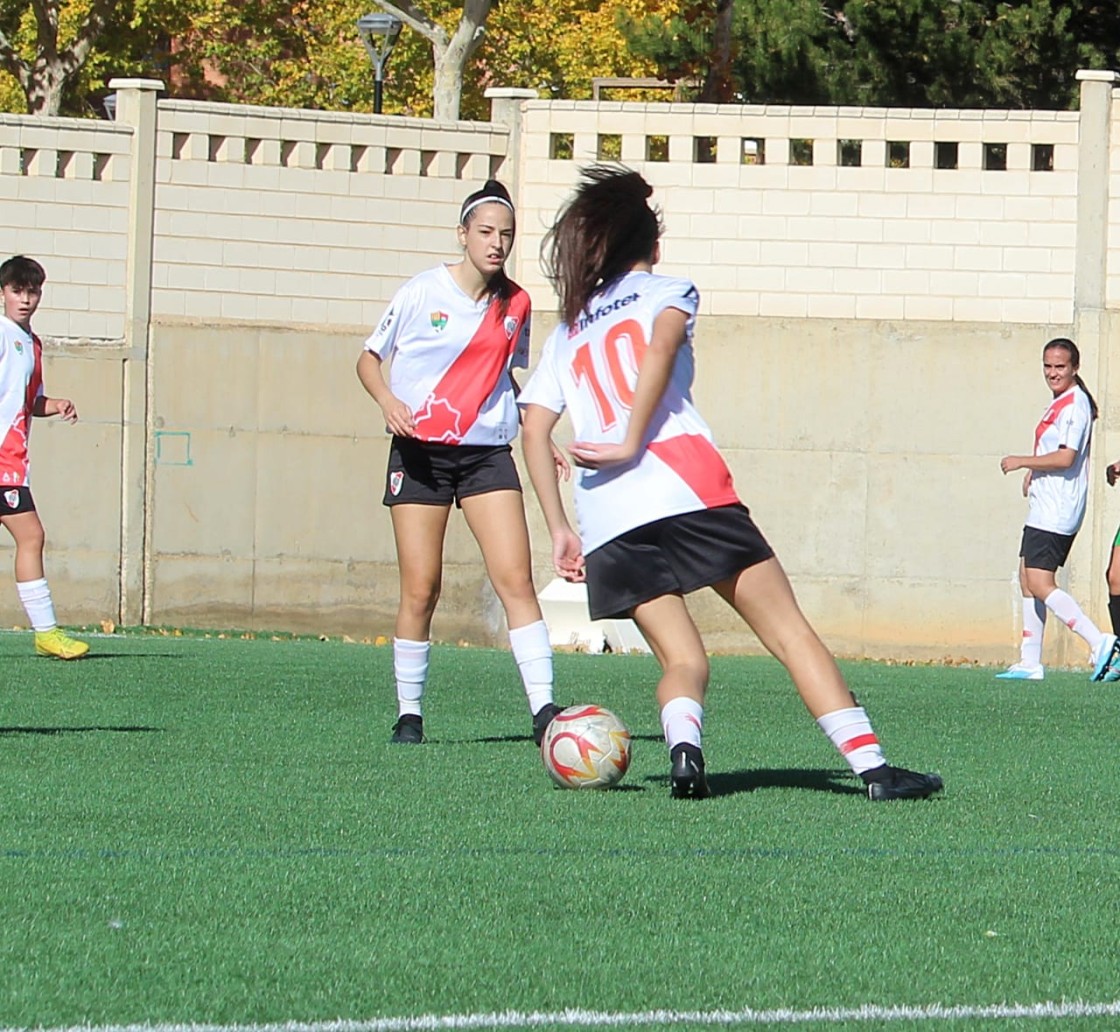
(867,350)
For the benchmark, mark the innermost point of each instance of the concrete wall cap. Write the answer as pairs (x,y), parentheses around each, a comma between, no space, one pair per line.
(510,93)
(137,84)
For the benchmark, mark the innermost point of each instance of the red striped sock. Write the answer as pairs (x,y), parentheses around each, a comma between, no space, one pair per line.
(851,732)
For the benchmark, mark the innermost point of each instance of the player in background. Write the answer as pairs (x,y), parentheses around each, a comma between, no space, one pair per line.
(1056,486)
(1112,575)
(21,398)
(454,334)
(658,514)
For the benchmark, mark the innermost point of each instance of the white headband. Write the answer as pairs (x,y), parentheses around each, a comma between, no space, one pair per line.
(468,208)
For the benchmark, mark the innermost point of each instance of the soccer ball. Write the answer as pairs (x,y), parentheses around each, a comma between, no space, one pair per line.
(586,747)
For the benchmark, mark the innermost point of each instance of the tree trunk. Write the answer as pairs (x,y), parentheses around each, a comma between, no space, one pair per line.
(449,55)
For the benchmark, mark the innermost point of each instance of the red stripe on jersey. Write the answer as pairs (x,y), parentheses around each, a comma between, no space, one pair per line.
(859,742)
(452,407)
(699,464)
(1050,417)
(13,449)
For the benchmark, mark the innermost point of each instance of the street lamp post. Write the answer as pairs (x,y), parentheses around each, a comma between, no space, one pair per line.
(379,32)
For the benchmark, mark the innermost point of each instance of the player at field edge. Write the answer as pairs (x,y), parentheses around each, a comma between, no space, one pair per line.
(21,398)
(1112,574)
(453,335)
(1056,486)
(659,516)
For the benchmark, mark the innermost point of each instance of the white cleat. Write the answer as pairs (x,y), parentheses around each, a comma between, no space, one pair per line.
(1023,672)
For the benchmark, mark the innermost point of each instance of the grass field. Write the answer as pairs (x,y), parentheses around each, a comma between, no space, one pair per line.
(217,832)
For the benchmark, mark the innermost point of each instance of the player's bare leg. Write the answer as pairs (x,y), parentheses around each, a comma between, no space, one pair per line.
(763,597)
(497,521)
(419,531)
(667,626)
(34,593)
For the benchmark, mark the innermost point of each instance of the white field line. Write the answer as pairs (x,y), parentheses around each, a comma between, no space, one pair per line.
(598,1019)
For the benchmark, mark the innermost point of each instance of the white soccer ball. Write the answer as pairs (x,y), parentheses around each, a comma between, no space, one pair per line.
(586,747)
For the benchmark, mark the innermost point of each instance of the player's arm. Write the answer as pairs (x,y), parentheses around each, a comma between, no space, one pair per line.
(669,330)
(1112,472)
(560,462)
(64,408)
(1054,462)
(398,416)
(537,424)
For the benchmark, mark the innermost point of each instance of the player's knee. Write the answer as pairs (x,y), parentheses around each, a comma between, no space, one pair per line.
(420,600)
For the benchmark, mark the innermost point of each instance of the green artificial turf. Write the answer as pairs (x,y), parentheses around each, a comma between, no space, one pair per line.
(218,831)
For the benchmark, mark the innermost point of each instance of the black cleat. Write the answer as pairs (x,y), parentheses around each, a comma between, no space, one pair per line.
(542,718)
(408,730)
(887,782)
(687,779)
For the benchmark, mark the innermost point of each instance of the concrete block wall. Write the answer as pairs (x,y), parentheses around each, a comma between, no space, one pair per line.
(805,212)
(879,324)
(283,216)
(65,189)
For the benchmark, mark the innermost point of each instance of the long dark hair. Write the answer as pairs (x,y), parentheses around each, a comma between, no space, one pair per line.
(500,286)
(1067,345)
(605,229)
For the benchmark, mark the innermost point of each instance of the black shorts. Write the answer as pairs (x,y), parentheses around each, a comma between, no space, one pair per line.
(1045,550)
(672,556)
(14,500)
(421,473)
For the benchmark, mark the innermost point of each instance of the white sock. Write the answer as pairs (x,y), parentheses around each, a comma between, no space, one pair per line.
(851,732)
(1069,612)
(1034,624)
(682,719)
(533,652)
(36,598)
(410,667)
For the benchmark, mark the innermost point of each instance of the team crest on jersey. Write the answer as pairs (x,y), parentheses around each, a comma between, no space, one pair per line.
(12,498)
(439,320)
(396,479)
(19,346)
(511,326)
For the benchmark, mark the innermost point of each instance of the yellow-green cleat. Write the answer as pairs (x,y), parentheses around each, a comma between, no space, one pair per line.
(55,643)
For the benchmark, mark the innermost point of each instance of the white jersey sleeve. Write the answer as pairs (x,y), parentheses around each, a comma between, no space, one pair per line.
(402,309)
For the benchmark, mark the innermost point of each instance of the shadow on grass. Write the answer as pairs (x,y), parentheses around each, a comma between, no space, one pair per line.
(76,730)
(91,656)
(732,782)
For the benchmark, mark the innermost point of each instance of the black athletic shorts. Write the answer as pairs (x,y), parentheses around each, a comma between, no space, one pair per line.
(421,473)
(1045,550)
(675,555)
(15,500)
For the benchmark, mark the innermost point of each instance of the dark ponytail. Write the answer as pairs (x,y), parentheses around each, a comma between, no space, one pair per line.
(599,235)
(1068,346)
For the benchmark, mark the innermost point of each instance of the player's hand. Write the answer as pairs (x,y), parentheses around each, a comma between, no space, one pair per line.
(567,556)
(596,456)
(398,418)
(1111,473)
(1009,463)
(1026,483)
(64,408)
(563,468)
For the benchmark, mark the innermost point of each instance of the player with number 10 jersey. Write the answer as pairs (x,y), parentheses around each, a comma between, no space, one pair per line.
(590,371)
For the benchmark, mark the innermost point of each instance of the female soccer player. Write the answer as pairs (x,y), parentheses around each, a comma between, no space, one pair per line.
(1056,486)
(454,334)
(658,514)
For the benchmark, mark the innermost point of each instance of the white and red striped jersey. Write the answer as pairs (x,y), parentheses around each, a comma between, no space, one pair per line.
(1056,500)
(590,371)
(21,382)
(451,358)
